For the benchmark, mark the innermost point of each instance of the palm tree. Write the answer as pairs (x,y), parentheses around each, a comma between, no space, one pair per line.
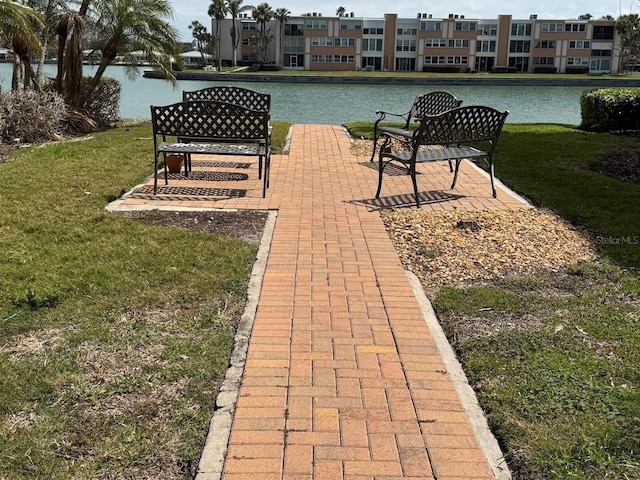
(51,11)
(282,15)
(20,23)
(263,14)
(235,8)
(218,10)
(341,11)
(127,25)
(202,38)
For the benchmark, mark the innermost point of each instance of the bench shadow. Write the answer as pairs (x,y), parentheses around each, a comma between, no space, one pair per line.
(405,200)
(180,193)
(208,176)
(391,169)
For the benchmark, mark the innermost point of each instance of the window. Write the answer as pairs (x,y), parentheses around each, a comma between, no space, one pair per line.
(430,26)
(545,44)
(486,46)
(407,31)
(321,41)
(600,53)
(344,42)
(350,24)
(519,46)
(575,27)
(435,42)
(343,59)
(294,30)
(372,45)
(249,26)
(466,26)
(316,24)
(458,43)
(552,27)
(434,60)
(405,45)
(520,29)
(490,29)
(578,61)
(603,32)
(520,63)
(579,44)
(321,58)
(457,60)
(373,31)
(543,61)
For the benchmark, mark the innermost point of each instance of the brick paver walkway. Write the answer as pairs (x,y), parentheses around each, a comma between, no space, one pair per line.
(343,378)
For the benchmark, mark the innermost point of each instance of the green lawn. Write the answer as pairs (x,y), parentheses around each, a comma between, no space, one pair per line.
(114,334)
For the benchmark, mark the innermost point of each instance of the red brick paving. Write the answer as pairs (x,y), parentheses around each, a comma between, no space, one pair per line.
(343,379)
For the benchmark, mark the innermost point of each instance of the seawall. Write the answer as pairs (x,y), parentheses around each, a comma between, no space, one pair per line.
(480,79)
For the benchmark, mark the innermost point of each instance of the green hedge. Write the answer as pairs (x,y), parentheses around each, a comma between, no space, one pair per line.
(610,109)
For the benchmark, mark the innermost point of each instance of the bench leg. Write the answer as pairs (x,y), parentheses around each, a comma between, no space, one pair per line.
(455,174)
(492,175)
(260,167)
(415,185)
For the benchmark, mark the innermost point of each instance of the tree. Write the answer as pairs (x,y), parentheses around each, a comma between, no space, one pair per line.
(341,11)
(263,15)
(128,25)
(202,38)
(20,23)
(628,27)
(235,8)
(218,10)
(51,11)
(282,15)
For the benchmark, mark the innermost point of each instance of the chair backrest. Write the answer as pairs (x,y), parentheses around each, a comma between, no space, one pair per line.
(461,125)
(208,119)
(433,103)
(235,95)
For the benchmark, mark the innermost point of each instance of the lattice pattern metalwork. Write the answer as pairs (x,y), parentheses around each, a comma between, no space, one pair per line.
(460,130)
(203,119)
(209,164)
(181,193)
(211,128)
(235,95)
(210,176)
(428,104)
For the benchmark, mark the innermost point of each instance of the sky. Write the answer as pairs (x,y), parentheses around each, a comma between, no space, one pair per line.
(188,10)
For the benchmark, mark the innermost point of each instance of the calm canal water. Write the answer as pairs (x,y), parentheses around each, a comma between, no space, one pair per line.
(338,104)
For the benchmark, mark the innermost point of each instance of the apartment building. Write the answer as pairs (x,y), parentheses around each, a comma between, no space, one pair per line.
(427,43)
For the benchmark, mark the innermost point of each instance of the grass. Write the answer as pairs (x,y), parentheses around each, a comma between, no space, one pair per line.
(562,392)
(113,333)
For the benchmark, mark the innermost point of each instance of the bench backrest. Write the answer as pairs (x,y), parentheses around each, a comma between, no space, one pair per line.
(433,103)
(461,125)
(235,95)
(213,120)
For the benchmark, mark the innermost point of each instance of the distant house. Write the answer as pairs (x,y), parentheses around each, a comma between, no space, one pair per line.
(5,54)
(193,59)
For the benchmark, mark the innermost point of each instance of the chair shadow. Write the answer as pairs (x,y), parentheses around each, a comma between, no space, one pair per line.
(208,176)
(405,200)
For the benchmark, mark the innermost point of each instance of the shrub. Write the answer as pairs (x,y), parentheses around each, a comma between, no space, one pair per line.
(504,69)
(104,104)
(610,109)
(29,116)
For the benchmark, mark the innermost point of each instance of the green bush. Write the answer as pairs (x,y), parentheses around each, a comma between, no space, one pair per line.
(104,104)
(610,109)
(29,116)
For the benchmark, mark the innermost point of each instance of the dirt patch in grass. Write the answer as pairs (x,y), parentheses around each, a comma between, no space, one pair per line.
(246,225)
(622,165)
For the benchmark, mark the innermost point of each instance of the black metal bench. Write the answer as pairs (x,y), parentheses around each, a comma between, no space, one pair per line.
(211,128)
(454,135)
(432,103)
(234,95)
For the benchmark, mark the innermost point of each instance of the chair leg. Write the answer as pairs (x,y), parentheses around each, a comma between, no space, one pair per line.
(381,166)
(166,170)
(155,174)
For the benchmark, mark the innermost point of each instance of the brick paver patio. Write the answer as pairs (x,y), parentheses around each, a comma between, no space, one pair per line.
(343,378)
